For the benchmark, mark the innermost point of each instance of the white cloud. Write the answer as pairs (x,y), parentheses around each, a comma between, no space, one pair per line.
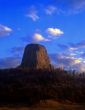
(51,32)
(72,49)
(68,7)
(38,37)
(78,4)
(50,10)
(54,32)
(32,13)
(4,30)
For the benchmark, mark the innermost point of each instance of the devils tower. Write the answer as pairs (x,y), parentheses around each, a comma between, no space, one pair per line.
(35,57)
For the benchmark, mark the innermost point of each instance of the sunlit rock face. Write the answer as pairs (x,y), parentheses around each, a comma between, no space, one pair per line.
(36,57)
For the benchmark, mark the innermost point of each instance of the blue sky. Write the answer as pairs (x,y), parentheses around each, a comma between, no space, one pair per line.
(57,24)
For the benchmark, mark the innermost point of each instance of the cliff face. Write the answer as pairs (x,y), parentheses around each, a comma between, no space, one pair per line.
(35,56)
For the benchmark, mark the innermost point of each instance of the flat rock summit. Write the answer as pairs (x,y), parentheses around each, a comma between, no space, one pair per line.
(35,57)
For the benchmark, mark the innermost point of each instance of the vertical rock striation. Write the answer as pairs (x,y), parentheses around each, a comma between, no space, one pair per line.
(36,57)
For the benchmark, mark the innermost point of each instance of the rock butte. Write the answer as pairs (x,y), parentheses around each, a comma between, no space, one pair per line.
(35,57)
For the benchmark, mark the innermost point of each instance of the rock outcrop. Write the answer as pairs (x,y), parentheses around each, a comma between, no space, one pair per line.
(35,57)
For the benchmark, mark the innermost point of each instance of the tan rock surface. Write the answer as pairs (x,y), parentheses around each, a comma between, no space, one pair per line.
(36,57)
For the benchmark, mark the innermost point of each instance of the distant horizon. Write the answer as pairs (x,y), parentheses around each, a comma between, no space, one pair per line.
(56,24)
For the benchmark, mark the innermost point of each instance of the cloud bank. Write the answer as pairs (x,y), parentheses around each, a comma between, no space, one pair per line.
(68,61)
(71,56)
(72,46)
(9,62)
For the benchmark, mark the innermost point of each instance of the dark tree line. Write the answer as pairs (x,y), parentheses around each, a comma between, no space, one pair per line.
(31,86)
